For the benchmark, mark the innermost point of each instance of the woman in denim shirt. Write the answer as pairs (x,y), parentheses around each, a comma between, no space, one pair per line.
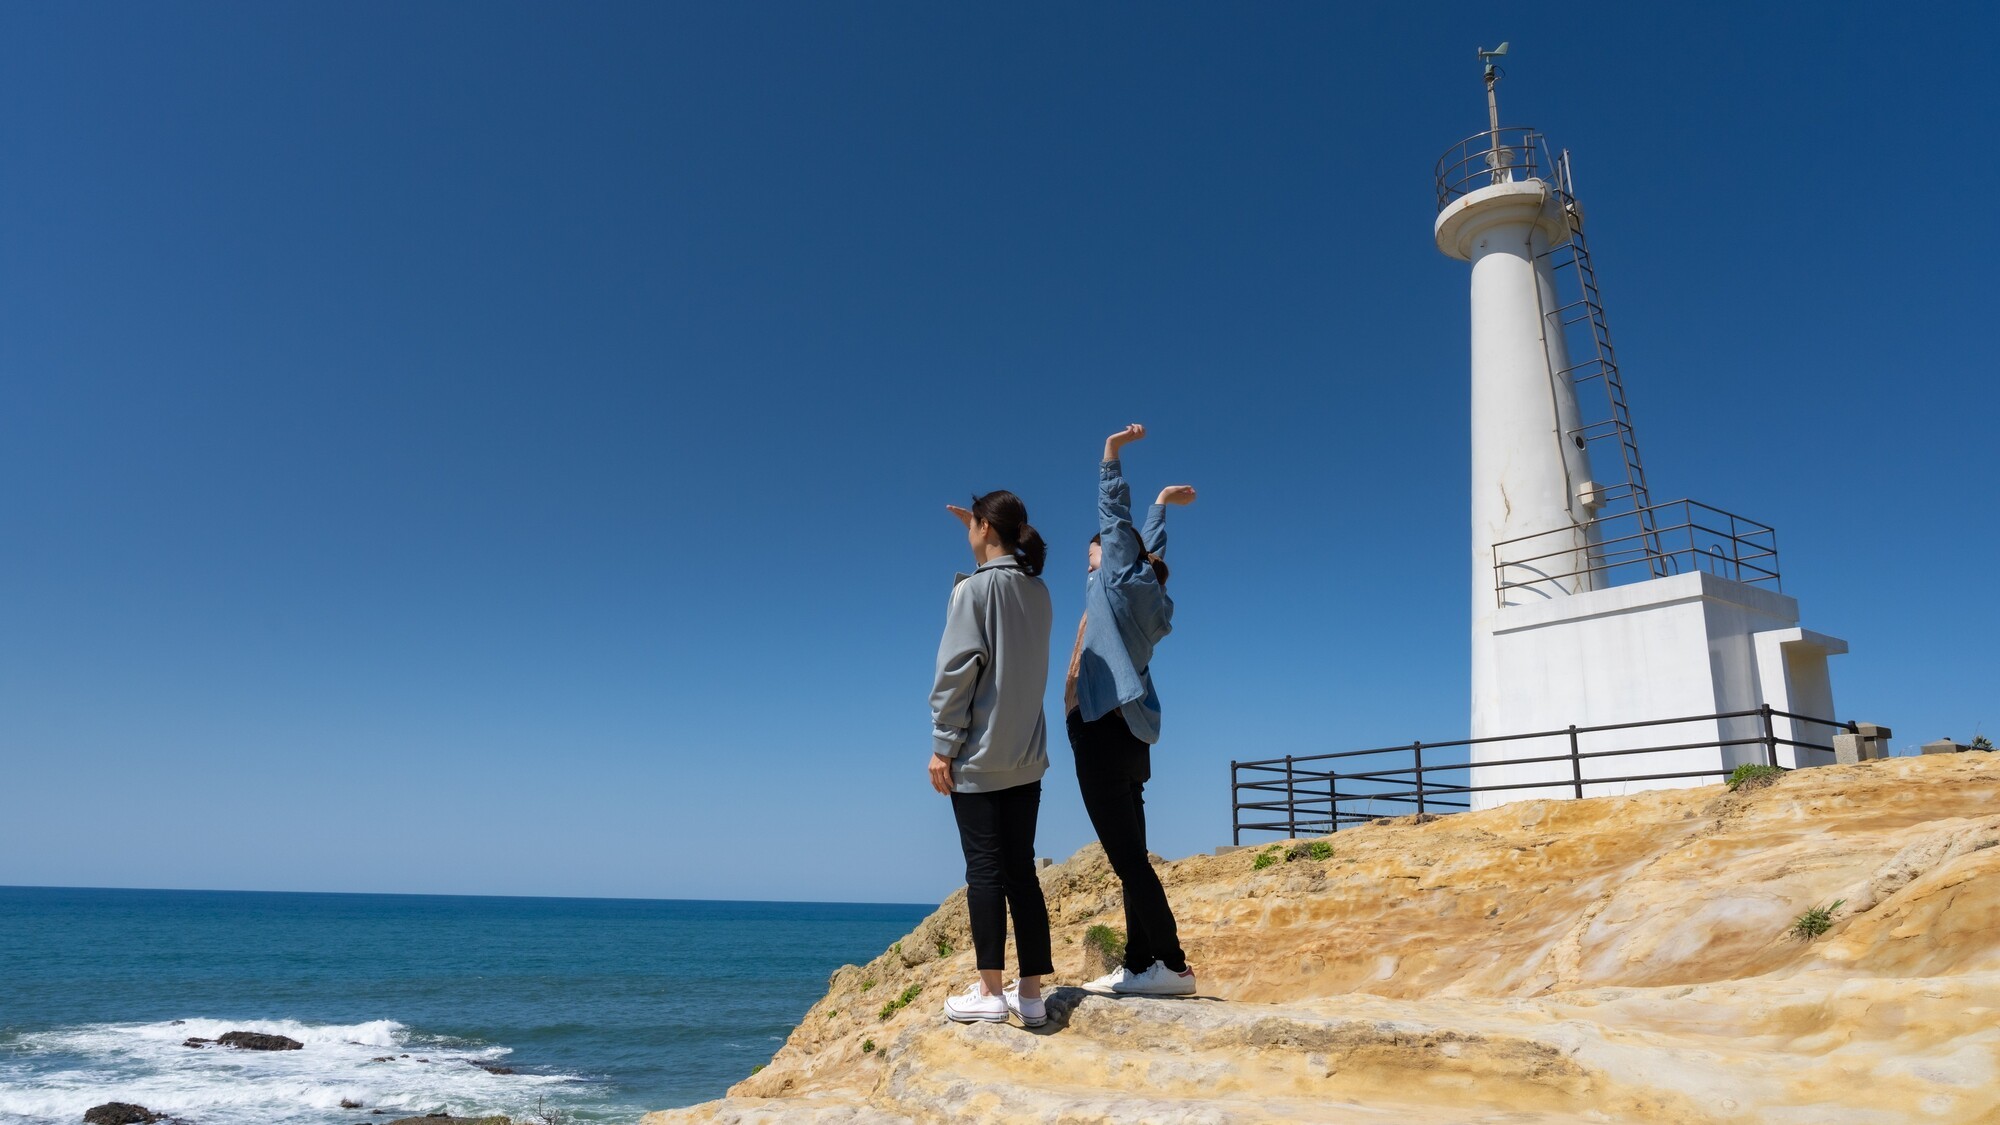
(1113,716)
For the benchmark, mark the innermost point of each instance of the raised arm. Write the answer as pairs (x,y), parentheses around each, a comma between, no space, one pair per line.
(1119,558)
(1155,531)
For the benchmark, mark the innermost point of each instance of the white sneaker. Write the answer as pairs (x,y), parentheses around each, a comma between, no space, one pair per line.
(1110,981)
(975,1005)
(1157,980)
(1033,1013)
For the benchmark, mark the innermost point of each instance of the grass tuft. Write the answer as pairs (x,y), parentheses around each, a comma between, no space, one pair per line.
(1816,921)
(867,1046)
(1752,776)
(1108,941)
(901,1002)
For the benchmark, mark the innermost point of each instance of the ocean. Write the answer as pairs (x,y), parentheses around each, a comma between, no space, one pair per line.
(602,1008)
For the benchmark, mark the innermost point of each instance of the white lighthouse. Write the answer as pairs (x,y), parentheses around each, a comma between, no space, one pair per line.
(1593,606)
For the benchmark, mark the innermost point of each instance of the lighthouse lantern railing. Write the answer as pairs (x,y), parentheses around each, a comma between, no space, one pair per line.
(1671,538)
(1509,154)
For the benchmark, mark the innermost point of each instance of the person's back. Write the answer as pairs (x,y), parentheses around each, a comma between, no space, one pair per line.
(997,641)
(989,749)
(1112,715)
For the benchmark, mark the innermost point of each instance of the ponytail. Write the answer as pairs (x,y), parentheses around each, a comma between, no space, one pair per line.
(1004,512)
(1031,550)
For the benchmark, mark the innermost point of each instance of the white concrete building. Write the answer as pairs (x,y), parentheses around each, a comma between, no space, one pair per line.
(1591,605)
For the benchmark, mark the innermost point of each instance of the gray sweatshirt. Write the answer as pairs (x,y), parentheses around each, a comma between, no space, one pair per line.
(992,666)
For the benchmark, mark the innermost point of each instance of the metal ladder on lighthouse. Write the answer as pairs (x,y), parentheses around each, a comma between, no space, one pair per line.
(1587,336)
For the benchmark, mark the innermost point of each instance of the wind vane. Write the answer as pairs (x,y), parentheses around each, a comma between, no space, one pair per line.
(1493,76)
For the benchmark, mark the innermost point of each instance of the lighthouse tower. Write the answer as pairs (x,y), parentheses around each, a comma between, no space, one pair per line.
(1600,618)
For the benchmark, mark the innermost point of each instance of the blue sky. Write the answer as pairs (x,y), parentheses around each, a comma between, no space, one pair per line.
(501,449)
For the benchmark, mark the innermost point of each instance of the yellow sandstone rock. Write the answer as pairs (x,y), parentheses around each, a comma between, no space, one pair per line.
(1615,959)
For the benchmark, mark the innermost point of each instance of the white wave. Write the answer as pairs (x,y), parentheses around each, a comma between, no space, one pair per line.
(53,1077)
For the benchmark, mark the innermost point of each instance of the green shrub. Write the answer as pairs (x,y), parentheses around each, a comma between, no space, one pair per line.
(1319,849)
(1981,742)
(903,1001)
(1264,859)
(868,984)
(944,948)
(758,1068)
(867,1046)
(1108,941)
(1816,921)
(1753,775)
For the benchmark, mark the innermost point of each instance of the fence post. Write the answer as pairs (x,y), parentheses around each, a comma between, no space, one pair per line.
(1417,756)
(1332,800)
(1575,763)
(1291,800)
(1235,807)
(1770,738)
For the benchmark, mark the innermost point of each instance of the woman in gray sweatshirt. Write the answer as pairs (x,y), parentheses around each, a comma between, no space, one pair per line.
(989,750)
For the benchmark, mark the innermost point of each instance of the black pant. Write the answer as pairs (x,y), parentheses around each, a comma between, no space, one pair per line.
(997,831)
(1112,768)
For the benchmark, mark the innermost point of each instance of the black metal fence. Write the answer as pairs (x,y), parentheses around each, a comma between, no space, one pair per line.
(1304,795)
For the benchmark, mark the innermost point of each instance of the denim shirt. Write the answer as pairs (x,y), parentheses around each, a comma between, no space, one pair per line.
(1126,613)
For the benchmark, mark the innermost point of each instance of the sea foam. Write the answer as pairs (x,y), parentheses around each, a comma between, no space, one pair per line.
(54,1076)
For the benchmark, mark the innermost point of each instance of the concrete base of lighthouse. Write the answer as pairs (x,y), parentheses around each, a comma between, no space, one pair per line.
(1690,644)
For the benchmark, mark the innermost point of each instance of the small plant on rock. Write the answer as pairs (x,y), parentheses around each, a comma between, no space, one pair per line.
(1981,742)
(1108,941)
(867,1046)
(901,1002)
(1816,921)
(1749,775)
(868,984)
(944,948)
(1320,850)
(1264,859)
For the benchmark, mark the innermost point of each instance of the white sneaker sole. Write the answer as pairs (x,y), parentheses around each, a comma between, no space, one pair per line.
(1026,1022)
(975,1017)
(1177,991)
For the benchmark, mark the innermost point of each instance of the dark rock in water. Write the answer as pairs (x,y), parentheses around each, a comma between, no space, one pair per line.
(491,1068)
(447,1119)
(121,1113)
(192,1041)
(382,1058)
(177,1023)
(256,1041)
(349,1103)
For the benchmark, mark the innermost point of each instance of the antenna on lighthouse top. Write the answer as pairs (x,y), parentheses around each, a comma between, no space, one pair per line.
(1493,75)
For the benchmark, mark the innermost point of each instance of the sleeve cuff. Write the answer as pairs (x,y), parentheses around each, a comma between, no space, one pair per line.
(945,747)
(1110,468)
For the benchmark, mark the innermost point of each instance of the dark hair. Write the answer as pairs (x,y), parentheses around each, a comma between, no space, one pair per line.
(1158,564)
(1008,517)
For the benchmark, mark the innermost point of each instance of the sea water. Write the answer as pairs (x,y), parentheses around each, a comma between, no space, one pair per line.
(603,1008)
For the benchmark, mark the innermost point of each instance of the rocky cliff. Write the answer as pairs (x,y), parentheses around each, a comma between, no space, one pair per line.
(1616,959)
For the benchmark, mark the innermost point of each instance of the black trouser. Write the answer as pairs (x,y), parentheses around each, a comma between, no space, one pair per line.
(997,831)
(1112,768)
